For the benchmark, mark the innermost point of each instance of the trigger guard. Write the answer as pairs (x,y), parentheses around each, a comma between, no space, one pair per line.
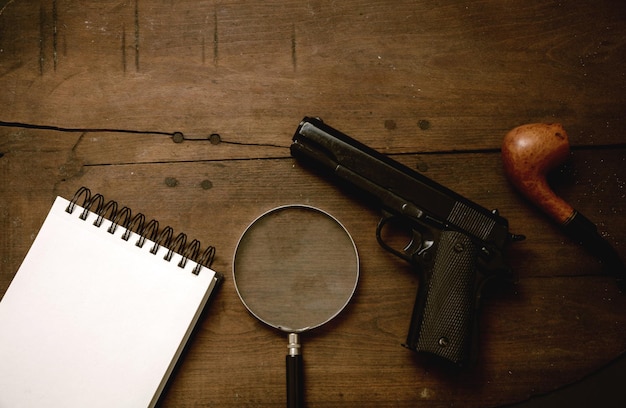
(408,253)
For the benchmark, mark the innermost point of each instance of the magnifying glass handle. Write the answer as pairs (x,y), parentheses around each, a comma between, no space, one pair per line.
(295,374)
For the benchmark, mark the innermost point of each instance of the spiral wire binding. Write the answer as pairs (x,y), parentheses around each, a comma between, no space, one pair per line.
(147,231)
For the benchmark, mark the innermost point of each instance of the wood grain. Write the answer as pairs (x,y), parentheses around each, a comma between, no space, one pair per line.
(93,92)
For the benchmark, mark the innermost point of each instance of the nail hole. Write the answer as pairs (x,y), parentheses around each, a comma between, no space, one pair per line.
(206,184)
(390,124)
(178,137)
(171,182)
(215,138)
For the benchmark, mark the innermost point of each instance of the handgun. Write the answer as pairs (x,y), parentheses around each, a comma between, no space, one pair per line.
(455,244)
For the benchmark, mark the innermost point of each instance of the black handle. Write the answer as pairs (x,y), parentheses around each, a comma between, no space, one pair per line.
(295,381)
(445,313)
(582,230)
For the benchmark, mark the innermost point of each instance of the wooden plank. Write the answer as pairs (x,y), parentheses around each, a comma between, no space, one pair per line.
(249,187)
(470,71)
(591,185)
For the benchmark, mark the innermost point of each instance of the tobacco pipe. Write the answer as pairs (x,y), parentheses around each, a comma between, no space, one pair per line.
(529,153)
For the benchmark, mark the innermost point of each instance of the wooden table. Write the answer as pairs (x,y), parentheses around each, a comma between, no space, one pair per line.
(93,92)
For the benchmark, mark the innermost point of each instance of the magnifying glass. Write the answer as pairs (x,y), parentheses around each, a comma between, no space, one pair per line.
(295,268)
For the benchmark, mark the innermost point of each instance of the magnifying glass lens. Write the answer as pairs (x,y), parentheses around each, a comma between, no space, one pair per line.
(295,269)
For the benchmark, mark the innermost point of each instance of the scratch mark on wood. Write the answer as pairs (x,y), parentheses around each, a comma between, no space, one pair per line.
(55,19)
(42,38)
(137,35)
(78,141)
(203,52)
(73,166)
(124,48)
(215,39)
(294,59)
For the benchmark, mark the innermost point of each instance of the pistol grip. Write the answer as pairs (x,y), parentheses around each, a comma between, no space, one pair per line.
(445,312)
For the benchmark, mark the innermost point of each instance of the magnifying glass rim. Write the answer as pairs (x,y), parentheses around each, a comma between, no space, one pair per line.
(310,208)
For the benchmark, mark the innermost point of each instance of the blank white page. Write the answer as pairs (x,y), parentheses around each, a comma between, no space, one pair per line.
(91,320)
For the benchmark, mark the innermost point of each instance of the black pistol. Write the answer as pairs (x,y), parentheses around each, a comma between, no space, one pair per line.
(456,244)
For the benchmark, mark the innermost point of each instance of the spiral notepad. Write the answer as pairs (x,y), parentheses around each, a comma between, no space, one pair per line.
(101,308)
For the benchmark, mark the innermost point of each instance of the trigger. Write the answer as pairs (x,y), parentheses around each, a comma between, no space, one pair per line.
(415,245)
